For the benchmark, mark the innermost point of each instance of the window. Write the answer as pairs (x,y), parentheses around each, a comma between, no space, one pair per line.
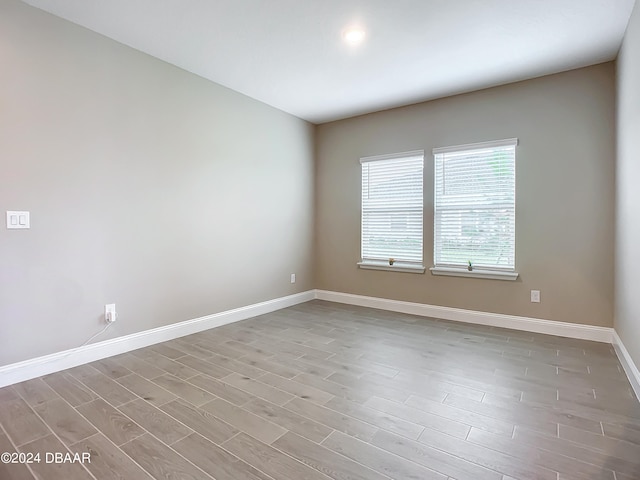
(475,210)
(392,204)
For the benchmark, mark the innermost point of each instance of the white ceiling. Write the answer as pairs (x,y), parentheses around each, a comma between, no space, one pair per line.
(290,54)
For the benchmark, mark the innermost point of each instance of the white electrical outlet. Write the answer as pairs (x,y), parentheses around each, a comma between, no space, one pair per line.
(110,314)
(535,296)
(293,278)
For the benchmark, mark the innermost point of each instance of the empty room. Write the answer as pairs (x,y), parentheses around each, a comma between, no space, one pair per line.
(305,239)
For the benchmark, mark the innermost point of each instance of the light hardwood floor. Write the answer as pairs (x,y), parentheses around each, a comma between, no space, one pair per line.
(323,390)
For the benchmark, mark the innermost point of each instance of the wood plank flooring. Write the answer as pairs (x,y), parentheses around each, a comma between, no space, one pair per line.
(326,391)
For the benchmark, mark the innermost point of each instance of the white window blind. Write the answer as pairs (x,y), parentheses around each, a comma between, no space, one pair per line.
(392,201)
(475,205)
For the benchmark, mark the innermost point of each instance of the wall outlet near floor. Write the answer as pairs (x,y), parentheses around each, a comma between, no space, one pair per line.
(110,314)
(293,278)
(535,296)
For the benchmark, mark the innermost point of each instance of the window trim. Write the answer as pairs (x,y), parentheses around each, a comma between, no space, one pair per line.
(398,266)
(392,156)
(507,142)
(475,273)
(460,271)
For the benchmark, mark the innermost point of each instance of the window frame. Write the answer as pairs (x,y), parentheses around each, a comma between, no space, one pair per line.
(380,264)
(492,272)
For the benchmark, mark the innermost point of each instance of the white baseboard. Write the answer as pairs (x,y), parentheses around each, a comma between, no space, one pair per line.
(633,374)
(537,325)
(36,367)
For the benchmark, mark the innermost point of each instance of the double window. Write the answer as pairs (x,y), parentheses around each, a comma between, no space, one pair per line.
(474,210)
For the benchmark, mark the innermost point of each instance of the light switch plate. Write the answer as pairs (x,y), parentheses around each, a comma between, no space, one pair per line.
(18,220)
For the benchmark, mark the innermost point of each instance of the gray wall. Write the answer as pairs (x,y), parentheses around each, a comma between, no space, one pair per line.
(565,195)
(627,311)
(148,187)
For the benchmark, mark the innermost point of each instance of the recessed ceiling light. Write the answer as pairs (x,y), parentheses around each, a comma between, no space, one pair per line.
(353,35)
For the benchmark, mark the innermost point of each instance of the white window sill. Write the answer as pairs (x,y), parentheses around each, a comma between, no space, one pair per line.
(396,267)
(479,273)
